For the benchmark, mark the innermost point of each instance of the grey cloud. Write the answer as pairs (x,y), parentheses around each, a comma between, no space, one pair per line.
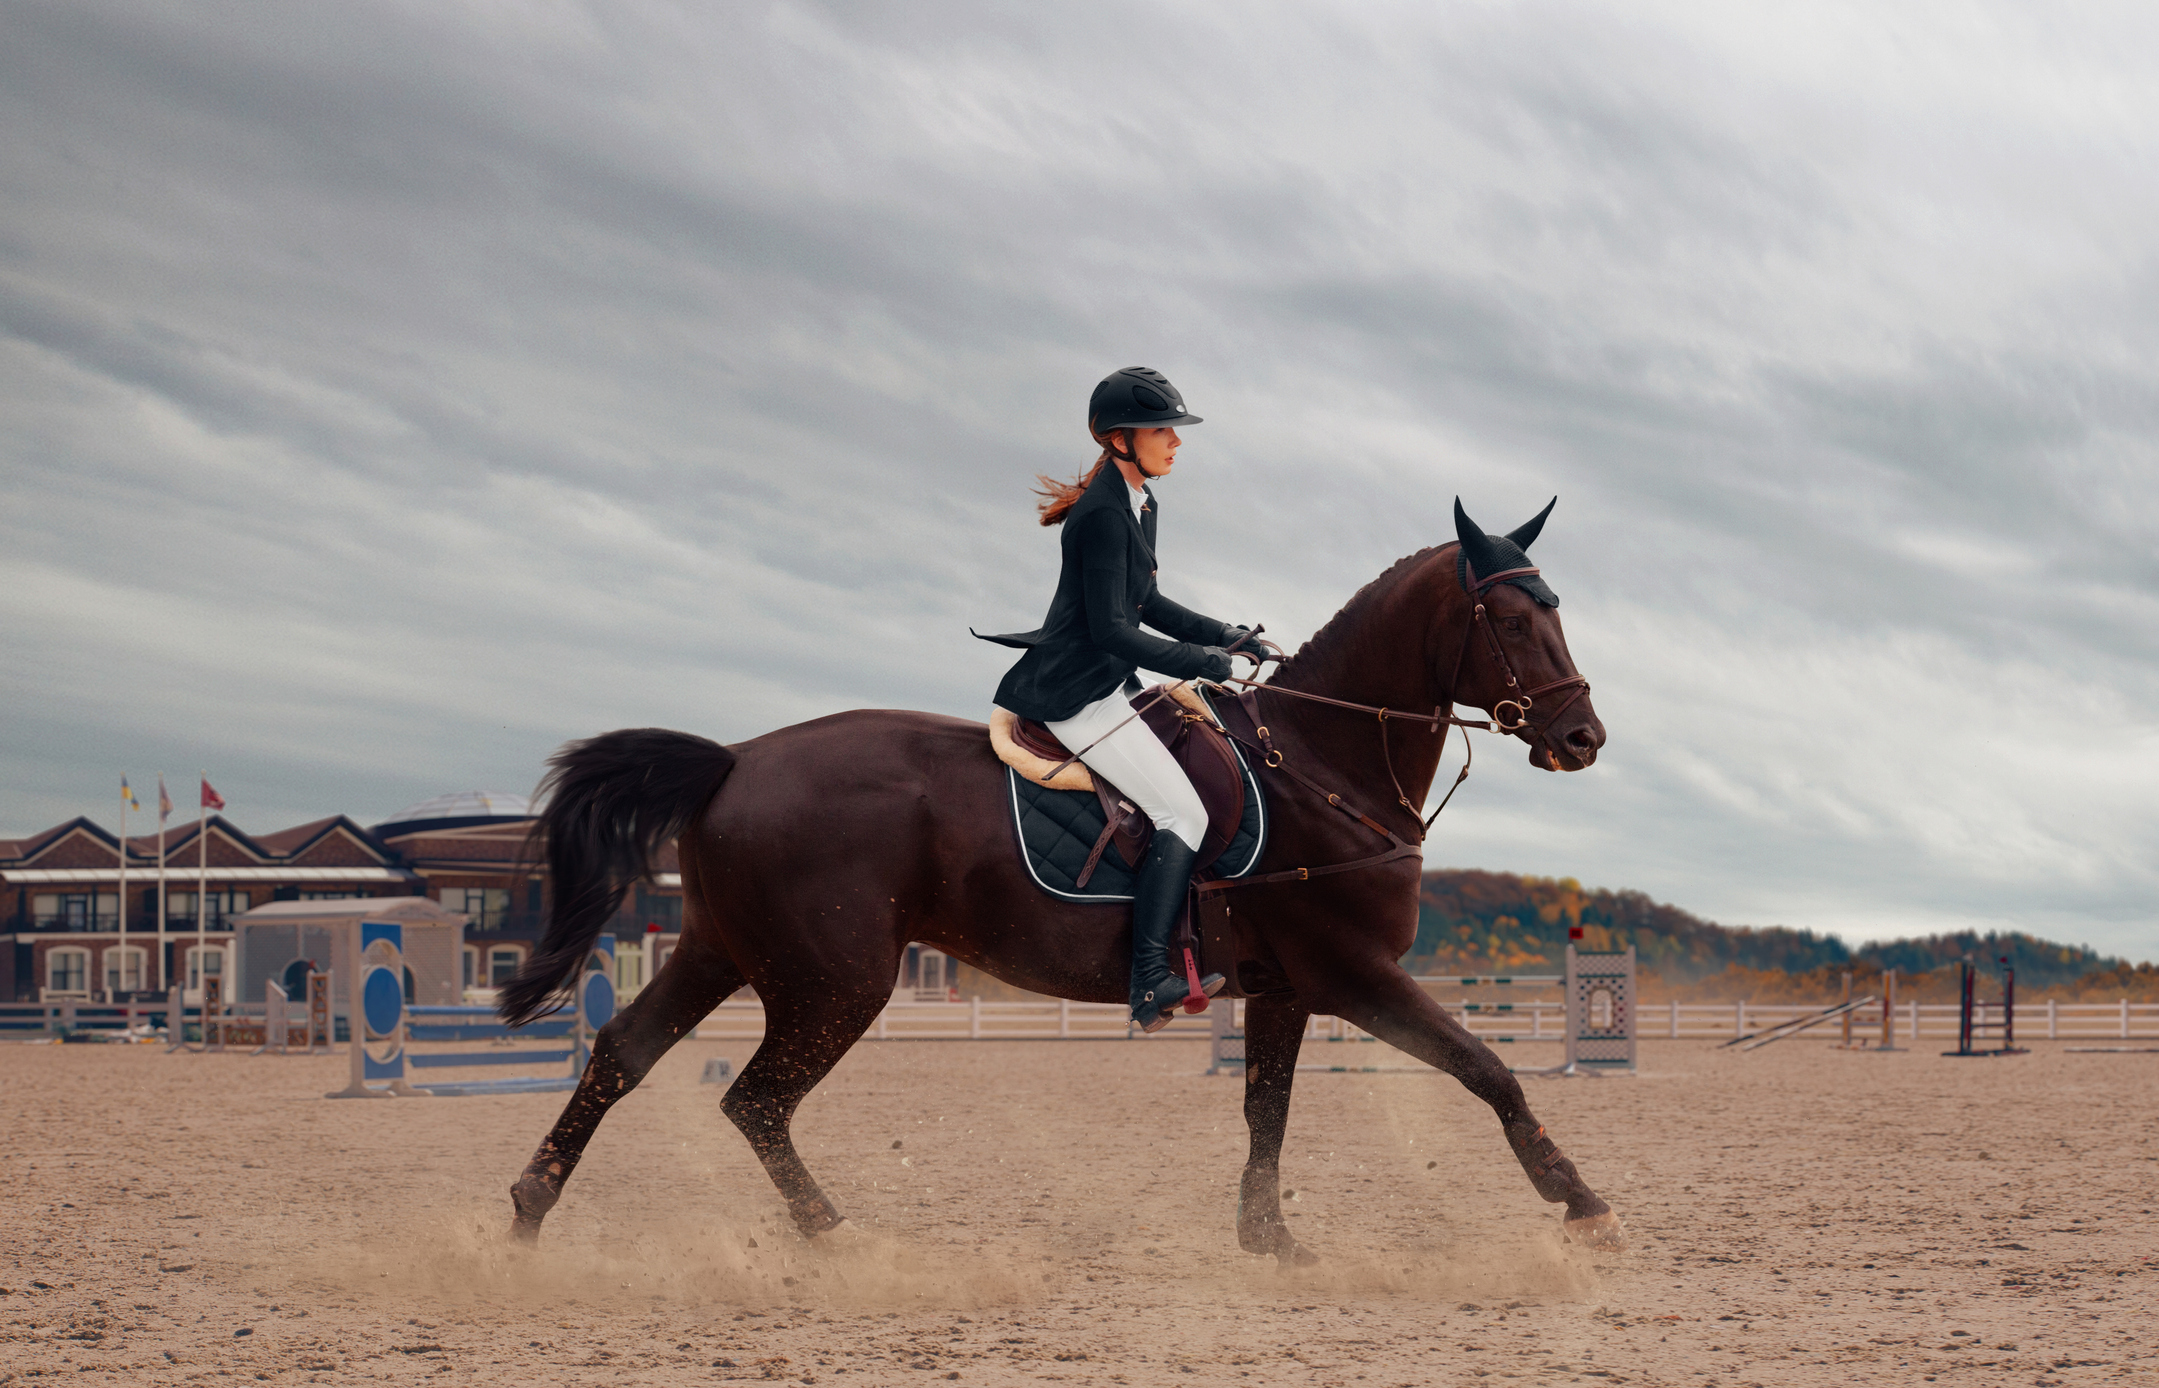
(396,392)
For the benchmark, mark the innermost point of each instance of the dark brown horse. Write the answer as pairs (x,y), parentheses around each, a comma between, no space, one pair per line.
(811,856)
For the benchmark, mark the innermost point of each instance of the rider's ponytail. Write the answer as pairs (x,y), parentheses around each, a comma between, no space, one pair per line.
(1058,498)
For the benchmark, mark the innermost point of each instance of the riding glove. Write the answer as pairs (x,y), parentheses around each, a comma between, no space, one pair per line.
(1252,644)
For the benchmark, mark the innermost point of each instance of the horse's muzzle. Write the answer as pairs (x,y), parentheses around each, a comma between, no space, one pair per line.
(1572,749)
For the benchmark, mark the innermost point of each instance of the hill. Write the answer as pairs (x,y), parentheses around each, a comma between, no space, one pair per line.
(1470,921)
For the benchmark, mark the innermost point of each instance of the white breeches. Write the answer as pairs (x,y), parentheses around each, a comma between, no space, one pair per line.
(1135,761)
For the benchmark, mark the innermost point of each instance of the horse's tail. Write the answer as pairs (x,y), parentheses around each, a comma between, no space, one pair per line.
(611,801)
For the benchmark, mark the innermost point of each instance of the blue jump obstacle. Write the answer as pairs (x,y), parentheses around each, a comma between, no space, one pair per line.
(386,1027)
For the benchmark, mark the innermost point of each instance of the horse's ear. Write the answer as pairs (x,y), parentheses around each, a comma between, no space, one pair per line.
(1476,545)
(1527,534)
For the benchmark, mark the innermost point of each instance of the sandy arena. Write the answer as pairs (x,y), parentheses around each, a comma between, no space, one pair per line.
(1800,1215)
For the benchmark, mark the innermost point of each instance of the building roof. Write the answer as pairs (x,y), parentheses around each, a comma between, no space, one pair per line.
(409,910)
(456,810)
(182,875)
(332,850)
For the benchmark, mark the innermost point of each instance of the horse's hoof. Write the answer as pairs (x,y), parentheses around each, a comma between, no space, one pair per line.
(1295,1256)
(525,1231)
(1603,1232)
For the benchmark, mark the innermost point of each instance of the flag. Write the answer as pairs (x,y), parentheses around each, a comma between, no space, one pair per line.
(164,801)
(211,800)
(129,795)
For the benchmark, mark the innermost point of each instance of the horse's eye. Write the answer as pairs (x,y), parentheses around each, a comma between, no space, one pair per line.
(1514,624)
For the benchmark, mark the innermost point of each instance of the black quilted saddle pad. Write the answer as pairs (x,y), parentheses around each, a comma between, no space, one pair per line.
(1058,828)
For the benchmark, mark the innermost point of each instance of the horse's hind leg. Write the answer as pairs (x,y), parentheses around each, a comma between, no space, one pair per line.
(804,1038)
(695,979)
(1273,1034)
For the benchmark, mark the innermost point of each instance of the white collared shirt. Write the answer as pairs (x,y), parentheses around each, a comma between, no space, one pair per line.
(1139,500)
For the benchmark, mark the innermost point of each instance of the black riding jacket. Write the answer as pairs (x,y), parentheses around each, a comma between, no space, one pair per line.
(1091,642)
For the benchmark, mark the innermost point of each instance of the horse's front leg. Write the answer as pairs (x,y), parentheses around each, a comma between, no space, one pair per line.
(1273,1034)
(1388,1003)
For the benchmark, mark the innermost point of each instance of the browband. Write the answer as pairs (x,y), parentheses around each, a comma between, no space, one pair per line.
(1479,585)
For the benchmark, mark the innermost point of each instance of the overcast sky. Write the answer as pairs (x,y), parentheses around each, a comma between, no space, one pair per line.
(394,391)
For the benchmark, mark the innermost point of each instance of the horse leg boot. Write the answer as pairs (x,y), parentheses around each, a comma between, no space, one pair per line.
(1589,1220)
(1157,897)
(1273,1034)
(691,985)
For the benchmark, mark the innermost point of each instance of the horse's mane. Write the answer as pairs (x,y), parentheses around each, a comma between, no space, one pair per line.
(1334,635)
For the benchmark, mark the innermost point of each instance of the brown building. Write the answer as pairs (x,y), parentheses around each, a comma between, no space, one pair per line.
(61,898)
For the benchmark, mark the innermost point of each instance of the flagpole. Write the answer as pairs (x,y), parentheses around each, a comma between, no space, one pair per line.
(202,890)
(121,974)
(164,811)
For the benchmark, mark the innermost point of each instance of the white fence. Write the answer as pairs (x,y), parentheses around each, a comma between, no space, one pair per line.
(973,1020)
(1496,1022)
(1043,1019)
(2036,1021)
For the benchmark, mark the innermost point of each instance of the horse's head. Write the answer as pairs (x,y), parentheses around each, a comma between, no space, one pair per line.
(1513,660)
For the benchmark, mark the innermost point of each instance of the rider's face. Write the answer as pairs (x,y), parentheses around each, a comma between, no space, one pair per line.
(1155,450)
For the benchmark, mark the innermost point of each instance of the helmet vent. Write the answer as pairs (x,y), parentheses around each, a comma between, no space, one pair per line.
(1148,398)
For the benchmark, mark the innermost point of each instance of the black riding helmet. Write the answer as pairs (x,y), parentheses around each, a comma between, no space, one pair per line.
(1137,397)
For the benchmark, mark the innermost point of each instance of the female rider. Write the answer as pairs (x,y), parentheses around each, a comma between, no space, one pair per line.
(1080,666)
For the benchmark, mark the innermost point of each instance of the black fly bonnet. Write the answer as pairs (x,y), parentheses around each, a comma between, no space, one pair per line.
(1485,559)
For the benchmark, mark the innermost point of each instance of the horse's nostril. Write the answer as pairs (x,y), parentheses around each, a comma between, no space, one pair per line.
(1582,740)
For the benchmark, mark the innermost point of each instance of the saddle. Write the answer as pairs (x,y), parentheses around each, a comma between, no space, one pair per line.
(1186,726)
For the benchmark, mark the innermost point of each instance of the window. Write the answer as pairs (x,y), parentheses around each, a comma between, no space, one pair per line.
(123,969)
(76,910)
(328,896)
(202,961)
(502,965)
(472,965)
(928,974)
(662,909)
(486,905)
(68,971)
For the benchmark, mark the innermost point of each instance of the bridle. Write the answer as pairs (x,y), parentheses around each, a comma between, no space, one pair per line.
(1524,699)
(1442,717)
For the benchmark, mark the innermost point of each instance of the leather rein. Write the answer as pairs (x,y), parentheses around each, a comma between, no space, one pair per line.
(1509,715)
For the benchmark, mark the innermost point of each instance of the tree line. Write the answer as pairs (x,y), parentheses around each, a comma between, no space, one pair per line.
(1471,921)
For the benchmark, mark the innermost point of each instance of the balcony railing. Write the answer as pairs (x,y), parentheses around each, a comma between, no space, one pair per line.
(65,922)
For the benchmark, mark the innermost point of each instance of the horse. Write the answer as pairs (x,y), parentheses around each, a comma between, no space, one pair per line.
(811,856)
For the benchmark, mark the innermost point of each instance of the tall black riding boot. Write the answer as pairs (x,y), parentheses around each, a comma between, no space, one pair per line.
(1156,899)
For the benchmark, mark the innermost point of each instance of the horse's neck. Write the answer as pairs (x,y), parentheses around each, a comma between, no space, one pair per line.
(1389,653)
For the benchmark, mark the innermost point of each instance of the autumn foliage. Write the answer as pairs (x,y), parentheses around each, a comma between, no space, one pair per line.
(1471,921)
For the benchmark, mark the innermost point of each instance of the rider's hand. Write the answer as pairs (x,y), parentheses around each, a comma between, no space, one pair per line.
(1217,667)
(1248,644)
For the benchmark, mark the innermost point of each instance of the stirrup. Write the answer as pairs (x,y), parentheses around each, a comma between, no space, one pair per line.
(1155,1011)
